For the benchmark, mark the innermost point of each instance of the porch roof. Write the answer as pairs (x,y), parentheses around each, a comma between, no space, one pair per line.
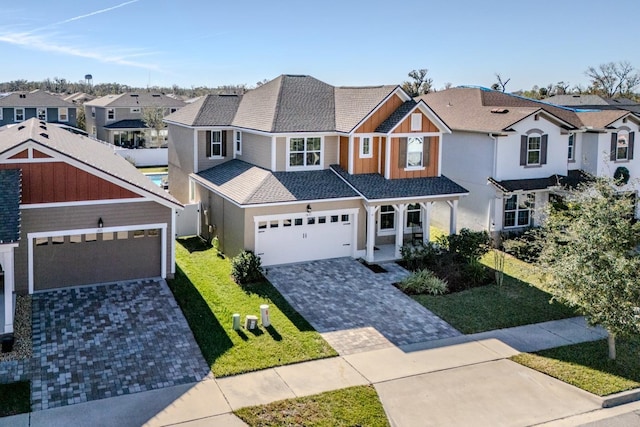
(373,186)
(127,124)
(248,184)
(571,180)
(10,188)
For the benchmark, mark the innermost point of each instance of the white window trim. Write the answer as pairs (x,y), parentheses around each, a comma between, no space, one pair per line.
(407,228)
(94,131)
(210,142)
(288,166)
(15,115)
(421,166)
(114,114)
(386,231)
(572,157)
(624,136)
(363,155)
(517,210)
(38,109)
(237,141)
(60,115)
(539,150)
(134,110)
(0,113)
(93,112)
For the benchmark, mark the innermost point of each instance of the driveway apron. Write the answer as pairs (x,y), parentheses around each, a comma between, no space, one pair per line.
(342,294)
(107,340)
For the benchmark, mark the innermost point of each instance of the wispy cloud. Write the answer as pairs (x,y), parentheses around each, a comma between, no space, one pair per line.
(53,42)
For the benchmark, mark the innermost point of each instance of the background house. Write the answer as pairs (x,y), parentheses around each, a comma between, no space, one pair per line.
(298,169)
(74,213)
(17,107)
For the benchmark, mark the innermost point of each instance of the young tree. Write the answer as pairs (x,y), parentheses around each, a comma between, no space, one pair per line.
(590,259)
(501,85)
(152,117)
(420,83)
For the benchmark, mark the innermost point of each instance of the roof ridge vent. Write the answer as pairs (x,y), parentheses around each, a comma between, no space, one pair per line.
(44,135)
(499,111)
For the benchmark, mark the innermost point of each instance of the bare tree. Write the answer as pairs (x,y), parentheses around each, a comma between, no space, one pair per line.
(448,85)
(501,85)
(420,83)
(613,79)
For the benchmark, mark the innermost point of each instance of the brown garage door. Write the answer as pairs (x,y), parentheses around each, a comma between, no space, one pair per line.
(82,259)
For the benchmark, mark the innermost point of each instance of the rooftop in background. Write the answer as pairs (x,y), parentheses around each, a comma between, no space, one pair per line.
(587,101)
(136,99)
(36,98)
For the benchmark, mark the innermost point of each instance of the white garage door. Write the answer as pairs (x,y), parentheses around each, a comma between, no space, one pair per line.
(304,237)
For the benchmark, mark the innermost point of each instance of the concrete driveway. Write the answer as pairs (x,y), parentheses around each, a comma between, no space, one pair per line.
(354,308)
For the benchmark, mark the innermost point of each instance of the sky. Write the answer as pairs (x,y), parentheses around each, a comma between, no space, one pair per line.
(193,43)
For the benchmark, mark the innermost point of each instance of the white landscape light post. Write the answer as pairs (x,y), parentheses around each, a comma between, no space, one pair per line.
(264,315)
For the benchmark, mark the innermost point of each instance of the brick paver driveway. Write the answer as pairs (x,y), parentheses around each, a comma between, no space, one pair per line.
(108,340)
(341,294)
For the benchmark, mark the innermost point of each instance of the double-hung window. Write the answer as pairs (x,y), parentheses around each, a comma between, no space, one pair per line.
(413,215)
(305,151)
(387,218)
(571,155)
(518,210)
(111,114)
(93,112)
(365,147)
(238,141)
(216,143)
(415,147)
(63,114)
(19,114)
(534,148)
(622,147)
(42,114)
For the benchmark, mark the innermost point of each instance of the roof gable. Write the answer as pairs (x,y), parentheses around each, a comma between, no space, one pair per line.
(210,110)
(36,98)
(136,99)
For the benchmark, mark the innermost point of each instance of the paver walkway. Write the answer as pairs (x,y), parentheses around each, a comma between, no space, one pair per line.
(108,340)
(341,294)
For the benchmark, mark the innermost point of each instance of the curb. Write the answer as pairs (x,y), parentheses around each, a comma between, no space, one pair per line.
(621,398)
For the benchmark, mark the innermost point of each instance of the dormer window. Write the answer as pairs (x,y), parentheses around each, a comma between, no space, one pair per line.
(366,150)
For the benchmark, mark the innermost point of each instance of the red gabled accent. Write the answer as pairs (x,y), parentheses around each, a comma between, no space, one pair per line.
(21,155)
(40,155)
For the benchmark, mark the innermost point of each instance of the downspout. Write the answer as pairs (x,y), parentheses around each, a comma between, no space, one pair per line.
(494,171)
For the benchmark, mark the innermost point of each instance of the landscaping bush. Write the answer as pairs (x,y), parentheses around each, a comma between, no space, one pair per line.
(246,268)
(423,282)
(525,246)
(470,245)
(418,256)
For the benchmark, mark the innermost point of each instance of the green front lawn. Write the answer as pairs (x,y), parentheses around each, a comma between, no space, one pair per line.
(354,406)
(520,301)
(209,297)
(588,366)
(15,398)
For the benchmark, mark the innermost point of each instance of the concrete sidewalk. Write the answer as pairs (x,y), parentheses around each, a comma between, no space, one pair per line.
(454,381)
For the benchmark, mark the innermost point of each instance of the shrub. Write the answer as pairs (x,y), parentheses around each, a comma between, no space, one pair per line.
(470,245)
(246,268)
(526,246)
(423,282)
(419,256)
(475,273)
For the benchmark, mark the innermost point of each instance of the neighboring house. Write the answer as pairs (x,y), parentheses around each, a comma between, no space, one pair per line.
(74,213)
(17,107)
(513,153)
(118,119)
(594,102)
(78,98)
(299,170)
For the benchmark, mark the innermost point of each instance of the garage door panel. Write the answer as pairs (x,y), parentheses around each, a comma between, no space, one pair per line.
(80,260)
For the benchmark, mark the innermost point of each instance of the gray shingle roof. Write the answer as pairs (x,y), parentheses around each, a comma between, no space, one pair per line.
(572,180)
(34,99)
(396,117)
(598,102)
(83,149)
(247,184)
(10,188)
(374,186)
(353,104)
(127,124)
(136,99)
(210,110)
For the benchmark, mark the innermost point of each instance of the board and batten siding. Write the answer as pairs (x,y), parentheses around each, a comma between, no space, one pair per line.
(430,159)
(380,115)
(86,217)
(344,152)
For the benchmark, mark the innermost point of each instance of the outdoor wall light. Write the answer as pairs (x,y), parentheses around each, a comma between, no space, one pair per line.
(308,209)
(100,223)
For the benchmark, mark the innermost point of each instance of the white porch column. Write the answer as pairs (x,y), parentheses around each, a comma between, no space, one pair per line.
(7,265)
(426,223)
(453,216)
(371,231)
(399,210)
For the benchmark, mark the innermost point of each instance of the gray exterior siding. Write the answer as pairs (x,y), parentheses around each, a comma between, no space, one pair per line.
(205,162)
(256,149)
(81,217)
(223,219)
(331,144)
(8,115)
(180,156)
(281,154)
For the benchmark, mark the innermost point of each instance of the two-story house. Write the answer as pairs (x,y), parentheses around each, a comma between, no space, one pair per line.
(512,153)
(118,119)
(73,213)
(298,170)
(17,107)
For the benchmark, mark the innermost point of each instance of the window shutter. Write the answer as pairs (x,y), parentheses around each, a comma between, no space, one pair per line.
(631,138)
(402,153)
(426,151)
(543,149)
(523,150)
(208,142)
(614,143)
(224,143)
